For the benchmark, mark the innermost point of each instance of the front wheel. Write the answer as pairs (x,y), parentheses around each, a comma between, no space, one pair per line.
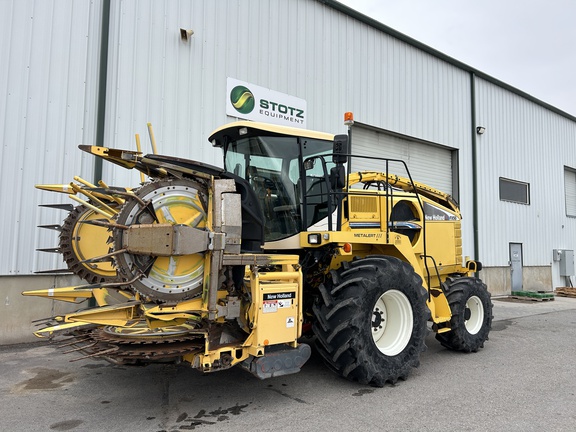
(371,321)
(471,320)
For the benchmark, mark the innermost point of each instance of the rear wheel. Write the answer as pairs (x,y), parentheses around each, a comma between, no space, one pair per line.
(371,322)
(471,320)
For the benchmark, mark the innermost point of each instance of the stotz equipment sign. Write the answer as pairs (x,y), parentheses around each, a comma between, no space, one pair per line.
(252,102)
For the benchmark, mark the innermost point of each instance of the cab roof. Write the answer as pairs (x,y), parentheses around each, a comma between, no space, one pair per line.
(232,132)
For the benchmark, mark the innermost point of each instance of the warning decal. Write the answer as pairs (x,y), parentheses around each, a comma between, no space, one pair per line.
(284,303)
(269,306)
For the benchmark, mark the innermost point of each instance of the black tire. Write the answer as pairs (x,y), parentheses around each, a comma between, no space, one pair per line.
(347,327)
(471,308)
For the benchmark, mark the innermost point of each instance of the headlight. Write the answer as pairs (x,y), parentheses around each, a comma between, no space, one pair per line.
(313,238)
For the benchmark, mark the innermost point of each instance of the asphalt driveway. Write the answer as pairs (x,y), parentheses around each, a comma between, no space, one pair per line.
(523,380)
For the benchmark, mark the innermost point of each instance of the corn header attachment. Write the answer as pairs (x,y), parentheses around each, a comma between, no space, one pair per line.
(172,276)
(229,266)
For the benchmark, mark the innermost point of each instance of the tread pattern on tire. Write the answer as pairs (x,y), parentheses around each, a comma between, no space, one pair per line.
(344,313)
(458,291)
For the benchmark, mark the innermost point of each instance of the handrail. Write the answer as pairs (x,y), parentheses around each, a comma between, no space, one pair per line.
(393,182)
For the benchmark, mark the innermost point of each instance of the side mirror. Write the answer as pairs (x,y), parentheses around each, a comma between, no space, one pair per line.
(309,163)
(340,149)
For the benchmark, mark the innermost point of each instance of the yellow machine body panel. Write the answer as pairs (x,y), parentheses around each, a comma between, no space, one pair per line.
(278,317)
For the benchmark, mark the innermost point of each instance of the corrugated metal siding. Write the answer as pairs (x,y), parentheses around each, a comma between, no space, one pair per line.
(47,107)
(299,47)
(155,77)
(528,143)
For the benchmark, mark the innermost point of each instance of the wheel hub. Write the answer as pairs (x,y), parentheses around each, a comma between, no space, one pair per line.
(377,319)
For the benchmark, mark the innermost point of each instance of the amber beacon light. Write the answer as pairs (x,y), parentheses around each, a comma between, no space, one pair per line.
(348,118)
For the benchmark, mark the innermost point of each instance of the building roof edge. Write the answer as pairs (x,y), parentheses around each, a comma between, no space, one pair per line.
(440,55)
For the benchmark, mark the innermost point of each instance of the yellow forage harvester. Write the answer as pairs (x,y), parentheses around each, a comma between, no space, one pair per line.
(242,265)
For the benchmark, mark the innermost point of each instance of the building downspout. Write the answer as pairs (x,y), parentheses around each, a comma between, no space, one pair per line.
(474,165)
(102,83)
(101,102)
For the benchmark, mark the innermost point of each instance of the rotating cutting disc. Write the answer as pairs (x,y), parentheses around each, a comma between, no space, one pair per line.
(80,241)
(167,279)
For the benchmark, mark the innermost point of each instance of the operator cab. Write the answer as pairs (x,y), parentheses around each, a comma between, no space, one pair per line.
(286,167)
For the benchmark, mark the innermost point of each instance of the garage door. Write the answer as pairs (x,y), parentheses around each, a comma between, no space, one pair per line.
(427,163)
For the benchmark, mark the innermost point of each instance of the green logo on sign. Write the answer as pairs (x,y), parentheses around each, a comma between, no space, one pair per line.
(242,99)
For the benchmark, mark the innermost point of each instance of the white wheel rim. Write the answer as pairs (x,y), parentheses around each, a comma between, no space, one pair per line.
(474,323)
(392,322)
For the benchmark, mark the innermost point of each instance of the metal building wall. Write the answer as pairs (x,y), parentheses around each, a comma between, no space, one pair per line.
(300,47)
(529,143)
(333,61)
(49,52)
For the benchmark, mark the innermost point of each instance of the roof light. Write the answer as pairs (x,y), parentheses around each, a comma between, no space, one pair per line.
(348,118)
(243,131)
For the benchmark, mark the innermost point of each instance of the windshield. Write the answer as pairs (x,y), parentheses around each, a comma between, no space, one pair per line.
(273,167)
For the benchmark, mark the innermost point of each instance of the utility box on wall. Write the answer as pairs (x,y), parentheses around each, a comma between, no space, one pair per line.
(566,261)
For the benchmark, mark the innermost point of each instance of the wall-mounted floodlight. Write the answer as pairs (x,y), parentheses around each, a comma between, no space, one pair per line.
(480,130)
(185,34)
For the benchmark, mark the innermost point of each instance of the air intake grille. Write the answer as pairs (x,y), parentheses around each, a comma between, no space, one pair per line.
(364,204)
